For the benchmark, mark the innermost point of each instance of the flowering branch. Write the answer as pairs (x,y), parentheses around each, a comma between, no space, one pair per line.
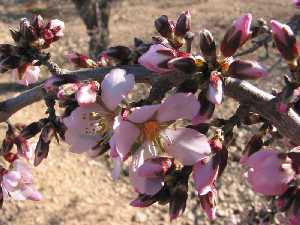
(245,93)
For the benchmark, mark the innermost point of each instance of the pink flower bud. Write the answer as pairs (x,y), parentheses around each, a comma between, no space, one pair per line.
(208,203)
(245,69)
(208,46)
(155,167)
(81,61)
(87,94)
(157,57)
(237,35)
(57,27)
(215,89)
(268,163)
(26,74)
(285,40)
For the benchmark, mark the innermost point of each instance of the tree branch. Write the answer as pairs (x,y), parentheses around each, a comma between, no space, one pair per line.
(245,93)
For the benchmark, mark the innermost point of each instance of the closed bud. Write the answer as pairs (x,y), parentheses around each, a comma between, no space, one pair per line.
(208,46)
(38,22)
(155,167)
(237,35)
(184,64)
(164,26)
(285,40)
(121,53)
(183,24)
(245,69)
(81,61)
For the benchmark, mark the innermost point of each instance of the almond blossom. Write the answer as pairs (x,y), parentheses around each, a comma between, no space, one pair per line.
(269,172)
(89,123)
(149,130)
(17,183)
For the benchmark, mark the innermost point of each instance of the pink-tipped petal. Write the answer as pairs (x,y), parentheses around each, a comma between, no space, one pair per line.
(178,106)
(186,145)
(30,76)
(115,86)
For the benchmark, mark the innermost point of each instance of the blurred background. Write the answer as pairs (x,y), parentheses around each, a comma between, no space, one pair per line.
(80,191)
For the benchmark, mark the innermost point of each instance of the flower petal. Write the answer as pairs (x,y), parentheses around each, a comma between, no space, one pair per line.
(149,186)
(186,145)
(125,135)
(142,114)
(178,106)
(115,86)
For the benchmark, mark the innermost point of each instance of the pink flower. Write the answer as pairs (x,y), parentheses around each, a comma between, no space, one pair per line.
(237,35)
(26,74)
(148,127)
(296,3)
(215,89)
(87,94)
(88,125)
(285,40)
(265,164)
(17,183)
(57,27)
(245,69)
(157,57)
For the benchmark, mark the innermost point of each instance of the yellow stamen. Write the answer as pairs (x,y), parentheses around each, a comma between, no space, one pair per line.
(151,130)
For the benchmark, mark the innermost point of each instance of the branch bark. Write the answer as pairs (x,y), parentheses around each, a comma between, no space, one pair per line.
(245,93)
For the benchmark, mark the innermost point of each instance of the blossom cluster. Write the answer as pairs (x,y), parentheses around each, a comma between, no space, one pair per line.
(164,141)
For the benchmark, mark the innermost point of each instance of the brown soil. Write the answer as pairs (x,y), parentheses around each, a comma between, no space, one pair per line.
(79,191)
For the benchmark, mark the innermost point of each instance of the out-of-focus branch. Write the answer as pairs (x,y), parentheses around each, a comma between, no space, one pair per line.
(245,93)
(95,15)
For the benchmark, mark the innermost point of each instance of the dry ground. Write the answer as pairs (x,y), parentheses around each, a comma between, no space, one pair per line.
(79,191)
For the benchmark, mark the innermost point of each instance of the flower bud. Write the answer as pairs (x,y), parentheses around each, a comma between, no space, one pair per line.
(27,31)
(38,22)
(121,53)
(87,94)
(237,35)
(157,57)
(296,3)
(183,24)
(245,69)
(208,46)
(208,203)
(67,90)
(184,64)
(285,40)
(155,167)
(164,26)
(81,61)
(215,89)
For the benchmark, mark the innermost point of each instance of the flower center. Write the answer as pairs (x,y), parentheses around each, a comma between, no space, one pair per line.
(151,130)
(98,124)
